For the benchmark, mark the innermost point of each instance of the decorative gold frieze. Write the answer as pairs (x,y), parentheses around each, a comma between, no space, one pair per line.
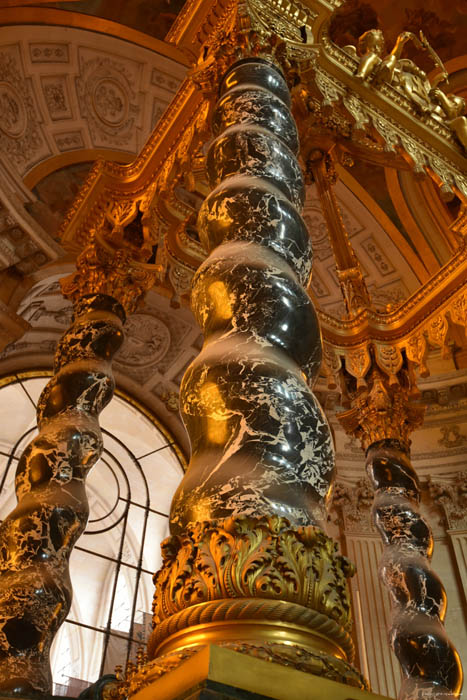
(242,666)
(426,95)
(426,317)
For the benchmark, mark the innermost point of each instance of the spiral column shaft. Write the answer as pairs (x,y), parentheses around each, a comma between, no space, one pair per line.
(37,537)
(247,565)
(260,443)
(429,661)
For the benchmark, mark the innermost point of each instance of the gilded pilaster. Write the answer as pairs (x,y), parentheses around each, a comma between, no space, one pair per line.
(354,291)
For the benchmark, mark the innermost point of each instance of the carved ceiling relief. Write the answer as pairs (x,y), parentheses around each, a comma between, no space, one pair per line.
(451,498)
(108,100)
(352,505)
(22,138)
(92,91)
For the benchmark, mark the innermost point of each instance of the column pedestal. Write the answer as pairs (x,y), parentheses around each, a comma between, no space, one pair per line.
(214,673)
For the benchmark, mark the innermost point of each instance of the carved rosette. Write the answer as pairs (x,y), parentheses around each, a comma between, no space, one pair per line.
(37,537)
(240,577)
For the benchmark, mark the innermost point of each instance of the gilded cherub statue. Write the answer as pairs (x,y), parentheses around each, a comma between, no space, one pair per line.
(403,74)
(451,109)
(370,49)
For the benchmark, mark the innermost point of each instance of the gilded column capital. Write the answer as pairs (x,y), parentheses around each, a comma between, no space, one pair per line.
(275,32)
(102,269)
(382,410)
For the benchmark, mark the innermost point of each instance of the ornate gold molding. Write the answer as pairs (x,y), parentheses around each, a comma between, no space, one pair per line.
(424,318)
(387,112)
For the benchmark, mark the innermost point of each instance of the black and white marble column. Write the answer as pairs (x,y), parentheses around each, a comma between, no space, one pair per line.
(430,663)
(260,442)
(37,537)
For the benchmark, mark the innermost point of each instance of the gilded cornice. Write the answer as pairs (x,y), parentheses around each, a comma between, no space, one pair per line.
(110,181)
(390,340)
(426,145)
(438,294)
(196,22)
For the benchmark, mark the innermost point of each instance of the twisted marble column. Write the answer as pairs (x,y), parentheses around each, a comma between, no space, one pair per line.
(247,565)
(430,663)
(37,537)
(260,443)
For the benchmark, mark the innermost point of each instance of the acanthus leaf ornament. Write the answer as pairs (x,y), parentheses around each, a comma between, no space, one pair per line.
(389,359)
(357,363)
(415,349)
(437,331)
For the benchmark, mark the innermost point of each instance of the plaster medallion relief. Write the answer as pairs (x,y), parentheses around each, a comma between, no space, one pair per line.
(378,257)
(86,92)
(45,52)
(13,119)
(69,141)
(147,341)
(20,135)
(110,102)
(56,97)
(107,98)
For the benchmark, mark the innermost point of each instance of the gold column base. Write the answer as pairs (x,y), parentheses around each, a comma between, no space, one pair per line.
(260,587)
(220,669)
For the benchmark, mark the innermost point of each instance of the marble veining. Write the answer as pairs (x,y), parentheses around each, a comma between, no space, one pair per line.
(254,105)
(260,442)
(37,537)
(254,150)
(250,209)
(429,661)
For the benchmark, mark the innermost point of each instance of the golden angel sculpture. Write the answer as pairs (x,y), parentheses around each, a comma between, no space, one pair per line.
(427,95)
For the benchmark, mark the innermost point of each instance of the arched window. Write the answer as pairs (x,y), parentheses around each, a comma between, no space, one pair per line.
(129,491)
